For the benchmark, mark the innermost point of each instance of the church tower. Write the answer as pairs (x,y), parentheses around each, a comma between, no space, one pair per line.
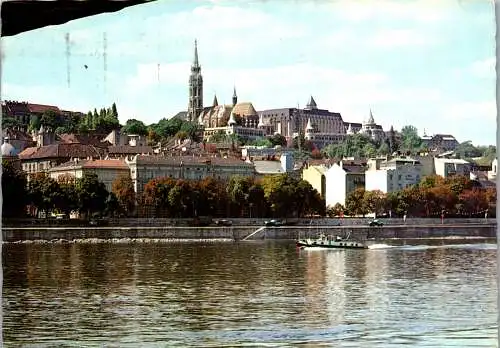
(195,88)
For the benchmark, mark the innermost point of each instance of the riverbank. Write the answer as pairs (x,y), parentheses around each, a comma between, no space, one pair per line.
(239,233)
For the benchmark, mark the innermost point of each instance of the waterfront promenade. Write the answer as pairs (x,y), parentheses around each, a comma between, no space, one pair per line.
(357,228)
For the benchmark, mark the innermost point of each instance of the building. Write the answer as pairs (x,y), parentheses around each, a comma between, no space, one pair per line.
(341,179)
(372,130)
(117,138)
(9,153)
(144,168)
(42,158)
(324,125)
(272,166)
(392,175)
(107,171)
(440,142)
(446,167)
(315,175)
(492,174)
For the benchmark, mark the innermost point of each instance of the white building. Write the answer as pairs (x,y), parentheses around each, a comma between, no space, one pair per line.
(107,171)
(446,167)
(392,175)
(342,179)
(492,174)
(145,168)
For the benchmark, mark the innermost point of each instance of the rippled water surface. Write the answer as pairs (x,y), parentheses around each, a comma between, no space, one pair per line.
(248,294)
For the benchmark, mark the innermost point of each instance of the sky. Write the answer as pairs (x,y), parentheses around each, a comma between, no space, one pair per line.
(426,63)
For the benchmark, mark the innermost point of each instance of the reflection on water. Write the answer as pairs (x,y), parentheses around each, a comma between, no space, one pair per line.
(249,293)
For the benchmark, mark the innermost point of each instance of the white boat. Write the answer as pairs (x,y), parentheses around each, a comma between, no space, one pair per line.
(331,242)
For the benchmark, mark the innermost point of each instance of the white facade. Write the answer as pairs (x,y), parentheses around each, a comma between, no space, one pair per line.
(393,175)
(340,181)
(492,174)
(446,167)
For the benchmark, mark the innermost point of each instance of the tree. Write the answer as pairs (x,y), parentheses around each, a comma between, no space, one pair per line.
(355,203)
(123,189)
(67,199)
(410,140)
(10,123)
(277,139)
(467,150)
(156,195)
(92,194)
(43,192)
(50,119)
(473,201)
(337,210)
(114,112)
(34,123)
(134,126)
(266,142)
(180,199)
(13,190)
(375,201)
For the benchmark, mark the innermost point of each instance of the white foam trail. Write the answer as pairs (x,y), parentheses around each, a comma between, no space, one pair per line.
(381,246)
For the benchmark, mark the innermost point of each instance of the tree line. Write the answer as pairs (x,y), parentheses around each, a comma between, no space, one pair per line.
(278,196)
(432,197)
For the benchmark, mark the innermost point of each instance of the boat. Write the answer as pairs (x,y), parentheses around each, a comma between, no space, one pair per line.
(331,242)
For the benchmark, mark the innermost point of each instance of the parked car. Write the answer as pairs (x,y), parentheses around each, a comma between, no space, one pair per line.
(223,222)
(376,222)
(274,222)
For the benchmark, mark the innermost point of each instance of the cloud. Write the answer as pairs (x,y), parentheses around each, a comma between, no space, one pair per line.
(400,37)
(483,68)
(466,111)
(425,11)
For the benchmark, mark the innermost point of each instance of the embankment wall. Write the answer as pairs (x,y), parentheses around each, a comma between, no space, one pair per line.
(13,234)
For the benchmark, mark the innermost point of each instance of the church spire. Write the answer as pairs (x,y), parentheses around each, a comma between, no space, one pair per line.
(235,97)
(195,62)
(215,103)
(195,105)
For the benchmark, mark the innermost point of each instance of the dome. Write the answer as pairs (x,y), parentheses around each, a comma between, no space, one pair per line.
(8,150)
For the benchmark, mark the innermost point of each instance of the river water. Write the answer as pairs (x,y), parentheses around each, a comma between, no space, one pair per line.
(265,293)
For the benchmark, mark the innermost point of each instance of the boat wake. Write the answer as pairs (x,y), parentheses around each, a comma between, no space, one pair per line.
(381,246)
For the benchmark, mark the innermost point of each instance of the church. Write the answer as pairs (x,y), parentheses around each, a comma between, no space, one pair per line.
(240,119)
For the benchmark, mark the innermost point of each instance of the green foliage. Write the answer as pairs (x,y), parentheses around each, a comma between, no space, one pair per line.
(354,145)
(51,120)
(34,123)
(410,140)
(262,142)
(10,123)
(467,150)
(91,193)
(13,190)
(278,139)
(43,192)
(134,126)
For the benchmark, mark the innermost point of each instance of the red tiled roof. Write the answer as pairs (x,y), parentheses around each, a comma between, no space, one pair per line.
(40,108)
(127,149)
(72,150)
(109,163)
(176,160)
(94,139)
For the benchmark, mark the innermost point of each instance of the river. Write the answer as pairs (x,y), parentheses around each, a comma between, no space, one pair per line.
(265,293)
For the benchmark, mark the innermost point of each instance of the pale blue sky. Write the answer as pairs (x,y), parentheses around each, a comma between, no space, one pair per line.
(425,62)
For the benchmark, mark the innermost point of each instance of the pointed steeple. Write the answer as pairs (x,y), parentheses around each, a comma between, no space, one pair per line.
(232,121)
(370,119)
(309,126)
(215,103)
(235,97)
(195,61)
(261,122)
(312,104)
